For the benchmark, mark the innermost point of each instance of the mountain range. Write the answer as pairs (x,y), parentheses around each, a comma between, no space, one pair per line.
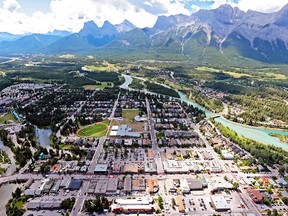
(221,33)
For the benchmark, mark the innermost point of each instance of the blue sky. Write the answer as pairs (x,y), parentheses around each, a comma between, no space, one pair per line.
(41,16)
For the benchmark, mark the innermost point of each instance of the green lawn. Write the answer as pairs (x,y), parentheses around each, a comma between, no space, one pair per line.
(98,87)
(7,117)
(96,130)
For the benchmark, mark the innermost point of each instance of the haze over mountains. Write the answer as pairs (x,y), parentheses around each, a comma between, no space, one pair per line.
(222,32)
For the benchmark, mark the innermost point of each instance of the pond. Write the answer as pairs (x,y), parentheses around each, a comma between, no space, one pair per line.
(43,137)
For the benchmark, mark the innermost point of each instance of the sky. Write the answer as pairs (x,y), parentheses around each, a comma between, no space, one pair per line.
(42,16)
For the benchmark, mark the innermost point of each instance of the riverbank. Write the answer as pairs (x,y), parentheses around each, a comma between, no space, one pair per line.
(254,133)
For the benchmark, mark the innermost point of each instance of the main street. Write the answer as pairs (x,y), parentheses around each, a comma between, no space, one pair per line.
(158,159)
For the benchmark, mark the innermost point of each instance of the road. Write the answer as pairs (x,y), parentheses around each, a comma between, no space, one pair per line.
(80,198)
(246,199)
(158,159)
(99,148)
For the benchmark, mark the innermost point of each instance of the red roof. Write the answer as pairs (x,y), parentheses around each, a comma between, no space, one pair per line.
(255,195)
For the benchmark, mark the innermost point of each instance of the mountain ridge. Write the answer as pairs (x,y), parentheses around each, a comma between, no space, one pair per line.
(224,31)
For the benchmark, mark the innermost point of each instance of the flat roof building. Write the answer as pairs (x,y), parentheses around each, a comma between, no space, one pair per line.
(219,203)
(101,187)
(112,186)
(179,204)
(128,184)
(152,185)
(101,169)
(195,184)
(75,184)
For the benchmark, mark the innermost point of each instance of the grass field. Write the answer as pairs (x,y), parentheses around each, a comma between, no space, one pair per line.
(95,130)
(105,66)
(98,87)
(233,74)
(7,117)
(128,118)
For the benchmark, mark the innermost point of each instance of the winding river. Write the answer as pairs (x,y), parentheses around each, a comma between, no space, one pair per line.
(255,133)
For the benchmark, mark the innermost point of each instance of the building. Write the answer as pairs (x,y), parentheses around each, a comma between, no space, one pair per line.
(136,205)
(184,186)
(56,187)
(138,185)
(131,168)
(44,204)
(195,184)
(127,185)
(47,185)
(255,195)
(101,169)
(101,187)
(227,155)
(152,185)
(179,204)
(75,184)
(126,131)
(219,203)
(112,186)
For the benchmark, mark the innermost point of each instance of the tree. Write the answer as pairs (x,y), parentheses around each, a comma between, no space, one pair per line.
(235,185)
(266,201)
(285,200)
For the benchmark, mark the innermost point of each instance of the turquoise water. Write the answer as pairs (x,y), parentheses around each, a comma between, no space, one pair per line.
(258,134)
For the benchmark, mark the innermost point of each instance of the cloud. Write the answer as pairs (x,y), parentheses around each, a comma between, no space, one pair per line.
(265,6)
(11,5)
(195,8)
(71,14)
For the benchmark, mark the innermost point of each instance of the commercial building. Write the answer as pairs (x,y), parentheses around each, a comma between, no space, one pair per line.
(136,205)
(101,187)
(75,184)
(101,169)
(184,186)
(179,204)
(112,186)
(219,203)
(195,184)
(138,185)
(127,185)
(152,185)
(44,204)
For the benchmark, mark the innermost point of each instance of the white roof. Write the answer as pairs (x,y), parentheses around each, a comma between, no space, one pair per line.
(113,133)
(136,201)
(220,202)
(115,128)
(130,207)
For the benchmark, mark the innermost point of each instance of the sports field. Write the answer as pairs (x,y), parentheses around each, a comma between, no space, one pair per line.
(95,130)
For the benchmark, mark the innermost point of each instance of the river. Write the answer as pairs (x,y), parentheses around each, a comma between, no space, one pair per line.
(255,133)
